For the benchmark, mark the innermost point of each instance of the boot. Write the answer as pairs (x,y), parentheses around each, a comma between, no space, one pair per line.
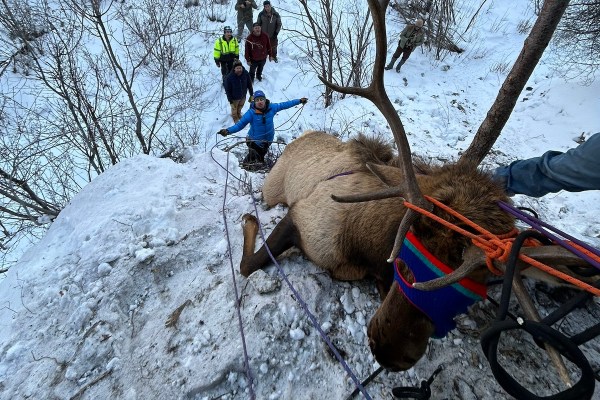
(391,64)
(399,65)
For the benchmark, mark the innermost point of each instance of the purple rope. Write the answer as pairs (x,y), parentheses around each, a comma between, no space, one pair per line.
(341,174)
(304,306)
(237,297)
(539,226)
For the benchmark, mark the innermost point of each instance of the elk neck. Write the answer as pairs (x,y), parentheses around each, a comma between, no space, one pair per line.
(441,305)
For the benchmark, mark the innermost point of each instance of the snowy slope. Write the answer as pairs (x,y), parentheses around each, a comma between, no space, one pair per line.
(84,313)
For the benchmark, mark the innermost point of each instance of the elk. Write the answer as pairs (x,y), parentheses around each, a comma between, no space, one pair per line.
(349,234)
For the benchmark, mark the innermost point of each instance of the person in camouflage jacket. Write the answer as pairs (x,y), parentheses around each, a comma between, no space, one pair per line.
(411,37)
(244,15)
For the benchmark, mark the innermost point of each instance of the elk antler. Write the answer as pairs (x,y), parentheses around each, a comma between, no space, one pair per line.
(474,257)
(376,93)
(379,195)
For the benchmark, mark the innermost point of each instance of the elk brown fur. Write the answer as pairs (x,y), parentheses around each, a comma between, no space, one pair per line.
(351,240)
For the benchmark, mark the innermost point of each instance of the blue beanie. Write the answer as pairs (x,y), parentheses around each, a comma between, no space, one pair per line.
(259,93)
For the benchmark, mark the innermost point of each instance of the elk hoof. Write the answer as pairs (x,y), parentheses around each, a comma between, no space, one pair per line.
(249,218)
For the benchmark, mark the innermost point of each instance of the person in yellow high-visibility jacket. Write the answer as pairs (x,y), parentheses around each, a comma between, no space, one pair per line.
(227,50)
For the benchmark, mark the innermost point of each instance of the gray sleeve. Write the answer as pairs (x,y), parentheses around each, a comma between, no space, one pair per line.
(576,170)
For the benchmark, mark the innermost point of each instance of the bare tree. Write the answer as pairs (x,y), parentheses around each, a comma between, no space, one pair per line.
(91,82)
(535,44)
(576,44)
(337,41)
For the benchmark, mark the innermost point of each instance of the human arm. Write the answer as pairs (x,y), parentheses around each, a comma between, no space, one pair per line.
(217,52)
(250,90)
(248,52)
(278,25)
(285,105)
(576,170)
(254,5)
(419,39)
(246,118)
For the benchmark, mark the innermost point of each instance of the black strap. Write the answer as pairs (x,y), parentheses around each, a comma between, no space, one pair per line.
(421,393)
(541,333)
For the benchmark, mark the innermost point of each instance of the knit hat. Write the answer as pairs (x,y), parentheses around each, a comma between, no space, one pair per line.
(237,63)
(259,93)
(227,28)
(266,2)
(255,24)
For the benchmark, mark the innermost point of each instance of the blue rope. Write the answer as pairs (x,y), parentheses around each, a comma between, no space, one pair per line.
(237,298)
(306,310)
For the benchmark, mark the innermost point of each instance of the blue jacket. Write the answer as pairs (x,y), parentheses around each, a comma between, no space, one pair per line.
(576,170)
(261,122)
(236,86)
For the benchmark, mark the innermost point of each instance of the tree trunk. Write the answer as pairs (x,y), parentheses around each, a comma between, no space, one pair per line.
(532,51)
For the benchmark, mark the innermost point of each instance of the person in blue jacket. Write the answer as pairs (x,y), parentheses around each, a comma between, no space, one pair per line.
(576,170)
(262,130)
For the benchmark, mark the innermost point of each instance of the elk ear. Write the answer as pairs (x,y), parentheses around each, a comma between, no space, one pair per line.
(390,176)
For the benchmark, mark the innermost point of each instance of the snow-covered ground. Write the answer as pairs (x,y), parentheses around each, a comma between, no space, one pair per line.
(86,311)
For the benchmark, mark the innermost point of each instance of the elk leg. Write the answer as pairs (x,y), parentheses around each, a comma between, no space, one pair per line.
(282,238)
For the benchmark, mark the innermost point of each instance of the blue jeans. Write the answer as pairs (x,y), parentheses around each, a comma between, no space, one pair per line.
(576,170)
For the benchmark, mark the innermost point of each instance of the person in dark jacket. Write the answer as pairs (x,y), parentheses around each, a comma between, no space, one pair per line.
(244,16)
(258,48)
(262,130)
(236,84)
(411,37)
(576,170)
(226,51)
(270,23)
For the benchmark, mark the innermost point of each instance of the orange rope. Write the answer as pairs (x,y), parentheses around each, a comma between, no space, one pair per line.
(498,246)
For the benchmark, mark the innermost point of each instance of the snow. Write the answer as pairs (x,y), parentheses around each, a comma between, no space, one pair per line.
(85,312)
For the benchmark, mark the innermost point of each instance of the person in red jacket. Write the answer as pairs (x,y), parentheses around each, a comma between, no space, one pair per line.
(258,49)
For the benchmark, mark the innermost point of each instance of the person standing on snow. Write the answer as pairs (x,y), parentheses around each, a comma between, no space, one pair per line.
(270,23)
(258,48)
(411,37)
(262,130)
(244,16)
(576,170)
(236,84)
(226,50)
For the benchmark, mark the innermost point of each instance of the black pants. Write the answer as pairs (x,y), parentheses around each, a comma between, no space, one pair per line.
(405,52)
(257,68)
(256,153)
(226,67)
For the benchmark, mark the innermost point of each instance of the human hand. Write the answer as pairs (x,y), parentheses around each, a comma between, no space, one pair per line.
(270,58)
(223,132)
(250,99)
(218,64)
(303,100)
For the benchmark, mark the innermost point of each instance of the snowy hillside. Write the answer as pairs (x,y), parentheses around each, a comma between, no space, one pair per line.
(132,293)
